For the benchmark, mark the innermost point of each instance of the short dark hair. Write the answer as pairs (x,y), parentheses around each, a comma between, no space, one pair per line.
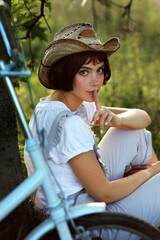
(63,71)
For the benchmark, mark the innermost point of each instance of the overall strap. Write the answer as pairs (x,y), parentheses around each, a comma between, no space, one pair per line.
(56,129)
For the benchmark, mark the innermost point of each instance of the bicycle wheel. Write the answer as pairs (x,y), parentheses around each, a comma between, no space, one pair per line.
(118,226)
(112,226)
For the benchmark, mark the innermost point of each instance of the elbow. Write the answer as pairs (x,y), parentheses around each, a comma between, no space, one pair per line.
(106,196)
(111,193)
(145,118)
(107,199)
(102,198)
(148,120)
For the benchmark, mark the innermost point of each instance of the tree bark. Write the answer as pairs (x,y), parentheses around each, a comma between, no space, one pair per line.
(17,224)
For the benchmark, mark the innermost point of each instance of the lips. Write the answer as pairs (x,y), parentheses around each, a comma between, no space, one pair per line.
(90,92)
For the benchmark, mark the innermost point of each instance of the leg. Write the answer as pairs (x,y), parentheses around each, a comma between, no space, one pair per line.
(143,202)
(120,147)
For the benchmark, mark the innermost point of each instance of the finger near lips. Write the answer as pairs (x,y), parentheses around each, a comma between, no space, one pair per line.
(96,99)
(98,106)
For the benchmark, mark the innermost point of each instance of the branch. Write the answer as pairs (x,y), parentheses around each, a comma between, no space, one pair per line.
(127,11)
(27,8)
(47,24)
(35,20)
(28,25)
(31,53)
(127,8)
(115,4)
(94,15)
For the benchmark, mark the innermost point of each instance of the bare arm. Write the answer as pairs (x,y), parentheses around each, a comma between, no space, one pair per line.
(90,174)
(131,118)
(120,117)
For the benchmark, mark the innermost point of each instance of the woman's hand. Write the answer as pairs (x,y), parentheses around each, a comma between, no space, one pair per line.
(103,116)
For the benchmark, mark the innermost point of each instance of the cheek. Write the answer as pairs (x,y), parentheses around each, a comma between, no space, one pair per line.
(80,83)
(101,80)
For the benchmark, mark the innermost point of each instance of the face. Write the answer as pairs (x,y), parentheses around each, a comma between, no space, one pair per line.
(89,78)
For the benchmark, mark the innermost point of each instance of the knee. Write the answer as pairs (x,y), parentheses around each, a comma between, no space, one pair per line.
(130,132)
(124,137)
(113,131)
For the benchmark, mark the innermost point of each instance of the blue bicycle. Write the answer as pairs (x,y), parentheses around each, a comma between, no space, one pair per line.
(65,222)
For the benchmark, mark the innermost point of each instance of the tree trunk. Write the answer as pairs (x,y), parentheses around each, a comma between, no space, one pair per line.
(17,224)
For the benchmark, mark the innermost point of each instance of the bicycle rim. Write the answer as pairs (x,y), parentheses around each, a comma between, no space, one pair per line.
(111,226)
(117,226)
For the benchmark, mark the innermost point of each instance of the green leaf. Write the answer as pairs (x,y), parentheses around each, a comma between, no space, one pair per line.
(39,31)
(48,5)
(107,4)
(14,2)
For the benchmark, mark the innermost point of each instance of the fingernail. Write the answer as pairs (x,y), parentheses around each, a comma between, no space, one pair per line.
(92,123)
(106,123)
(101,131)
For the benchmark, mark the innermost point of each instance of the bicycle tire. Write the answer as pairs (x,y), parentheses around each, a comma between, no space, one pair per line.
(123,226)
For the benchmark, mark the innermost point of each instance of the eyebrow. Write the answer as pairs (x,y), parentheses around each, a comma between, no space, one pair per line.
(90,68)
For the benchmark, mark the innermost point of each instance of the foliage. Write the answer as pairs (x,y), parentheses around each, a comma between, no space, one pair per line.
(30,19)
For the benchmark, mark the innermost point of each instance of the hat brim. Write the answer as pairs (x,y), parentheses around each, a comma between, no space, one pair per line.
(58,49)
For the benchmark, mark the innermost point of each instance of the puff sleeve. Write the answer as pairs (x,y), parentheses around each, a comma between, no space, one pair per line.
(75,139)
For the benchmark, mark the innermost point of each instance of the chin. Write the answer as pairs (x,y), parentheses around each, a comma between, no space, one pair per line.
(87,100)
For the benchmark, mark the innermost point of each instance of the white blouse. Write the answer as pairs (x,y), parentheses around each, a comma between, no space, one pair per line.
(73,137)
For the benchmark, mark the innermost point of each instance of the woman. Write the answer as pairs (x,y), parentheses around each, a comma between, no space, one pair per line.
(75,64)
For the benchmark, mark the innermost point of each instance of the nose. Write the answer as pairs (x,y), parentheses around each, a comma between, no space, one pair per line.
(95,80)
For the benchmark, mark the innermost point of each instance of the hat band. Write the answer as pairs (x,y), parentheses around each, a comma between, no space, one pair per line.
(97,46)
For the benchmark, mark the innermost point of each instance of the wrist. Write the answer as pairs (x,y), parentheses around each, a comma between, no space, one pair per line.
(121,121)
(154,169)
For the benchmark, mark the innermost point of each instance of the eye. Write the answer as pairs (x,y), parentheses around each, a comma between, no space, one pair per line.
(83,72)
(100,70)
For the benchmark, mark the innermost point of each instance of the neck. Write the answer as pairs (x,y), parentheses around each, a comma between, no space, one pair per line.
(67,98)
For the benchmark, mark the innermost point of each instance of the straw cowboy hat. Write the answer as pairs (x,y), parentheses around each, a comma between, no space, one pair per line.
(75,38)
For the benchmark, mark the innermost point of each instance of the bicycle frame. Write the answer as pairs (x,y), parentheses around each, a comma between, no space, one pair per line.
(41,176)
